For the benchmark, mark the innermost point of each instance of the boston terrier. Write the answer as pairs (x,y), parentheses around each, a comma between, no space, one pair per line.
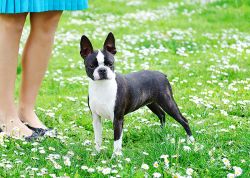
(113,95)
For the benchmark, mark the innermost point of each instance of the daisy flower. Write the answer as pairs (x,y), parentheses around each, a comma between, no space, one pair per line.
(144,166)
(189,171)
(106,171)
(156,175)
(156,165)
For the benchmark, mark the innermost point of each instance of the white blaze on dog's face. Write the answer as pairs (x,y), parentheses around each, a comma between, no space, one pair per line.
(105,68)
(99,64)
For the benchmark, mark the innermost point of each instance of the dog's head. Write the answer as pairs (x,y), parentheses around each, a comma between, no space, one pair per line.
(99,64)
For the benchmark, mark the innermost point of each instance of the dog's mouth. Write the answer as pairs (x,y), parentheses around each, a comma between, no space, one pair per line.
(101,78)
(104,78)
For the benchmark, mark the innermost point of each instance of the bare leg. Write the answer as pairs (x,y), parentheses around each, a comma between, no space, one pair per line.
(35,59)
(11,27)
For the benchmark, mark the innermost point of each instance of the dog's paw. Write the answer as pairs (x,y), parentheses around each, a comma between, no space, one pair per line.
(190,139)
(95,152)
(116,154)
(97,149)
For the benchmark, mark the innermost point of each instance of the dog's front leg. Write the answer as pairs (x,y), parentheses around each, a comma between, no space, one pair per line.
(118,126)
(97,124)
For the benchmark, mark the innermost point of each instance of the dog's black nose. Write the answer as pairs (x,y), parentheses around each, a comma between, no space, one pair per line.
(102,71)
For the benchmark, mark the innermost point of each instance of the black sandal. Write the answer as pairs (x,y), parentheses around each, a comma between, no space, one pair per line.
(33,136)
(39,131)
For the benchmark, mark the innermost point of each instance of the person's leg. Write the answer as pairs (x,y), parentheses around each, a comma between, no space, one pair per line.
(35,59)
(11,27)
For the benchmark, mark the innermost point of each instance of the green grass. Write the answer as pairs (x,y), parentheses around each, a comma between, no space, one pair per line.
(210,81)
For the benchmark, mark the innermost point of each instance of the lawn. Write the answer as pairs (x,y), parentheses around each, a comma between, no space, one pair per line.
(204,49)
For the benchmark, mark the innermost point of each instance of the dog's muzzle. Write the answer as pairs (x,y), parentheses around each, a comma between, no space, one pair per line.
(103,73)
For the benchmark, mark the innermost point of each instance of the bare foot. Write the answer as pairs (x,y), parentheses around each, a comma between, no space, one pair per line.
(30,118)
(12,126)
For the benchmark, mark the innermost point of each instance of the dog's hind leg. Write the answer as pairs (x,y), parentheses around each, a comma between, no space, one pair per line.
(156,109)
(167,103)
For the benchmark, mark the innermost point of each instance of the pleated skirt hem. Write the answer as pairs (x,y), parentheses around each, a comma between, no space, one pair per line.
(22,6)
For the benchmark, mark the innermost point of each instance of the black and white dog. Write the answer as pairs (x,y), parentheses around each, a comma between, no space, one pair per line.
(113,95)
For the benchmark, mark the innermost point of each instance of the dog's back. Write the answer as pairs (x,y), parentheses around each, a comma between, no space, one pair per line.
(140,88)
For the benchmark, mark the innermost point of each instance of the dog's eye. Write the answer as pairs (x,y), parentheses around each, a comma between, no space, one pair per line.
(110,64)
(91,66)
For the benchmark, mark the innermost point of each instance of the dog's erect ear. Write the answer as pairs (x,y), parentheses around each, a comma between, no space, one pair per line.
(109,43)
(86,47)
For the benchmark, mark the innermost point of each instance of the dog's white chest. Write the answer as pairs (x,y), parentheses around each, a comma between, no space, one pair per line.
(102,97)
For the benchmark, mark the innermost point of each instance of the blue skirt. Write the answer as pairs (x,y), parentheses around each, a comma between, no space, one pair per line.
(20,6)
